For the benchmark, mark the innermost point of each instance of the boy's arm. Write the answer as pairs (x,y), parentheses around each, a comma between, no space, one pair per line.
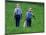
(14,12)
(21,13)
(33,16)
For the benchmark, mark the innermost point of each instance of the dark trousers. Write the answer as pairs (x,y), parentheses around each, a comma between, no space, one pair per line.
(17,18)
(28,22)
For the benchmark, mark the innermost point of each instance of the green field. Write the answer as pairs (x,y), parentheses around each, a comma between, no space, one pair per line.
(37,25)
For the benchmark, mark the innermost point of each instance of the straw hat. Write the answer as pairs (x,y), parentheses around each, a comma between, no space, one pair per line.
(17,4)
(30,9)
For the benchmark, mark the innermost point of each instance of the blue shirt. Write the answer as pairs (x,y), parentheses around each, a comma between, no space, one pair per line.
(28,15)
(18,11)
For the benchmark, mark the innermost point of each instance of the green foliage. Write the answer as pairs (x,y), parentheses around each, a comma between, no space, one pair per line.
(37,25)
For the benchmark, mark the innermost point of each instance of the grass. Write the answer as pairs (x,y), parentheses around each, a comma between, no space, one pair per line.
(37,25)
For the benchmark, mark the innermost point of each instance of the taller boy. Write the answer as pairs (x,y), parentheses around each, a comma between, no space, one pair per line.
(17,14)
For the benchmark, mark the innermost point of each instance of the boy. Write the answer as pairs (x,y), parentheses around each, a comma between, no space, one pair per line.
(17,14)
(28,17)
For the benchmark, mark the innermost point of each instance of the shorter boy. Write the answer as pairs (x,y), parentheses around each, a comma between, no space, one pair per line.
(28,17)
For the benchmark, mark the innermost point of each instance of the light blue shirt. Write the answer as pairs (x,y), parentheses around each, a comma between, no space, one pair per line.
(28,15)
(18,11)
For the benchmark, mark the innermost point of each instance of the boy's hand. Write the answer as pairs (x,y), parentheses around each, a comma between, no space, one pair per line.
(34,17)
(21,16)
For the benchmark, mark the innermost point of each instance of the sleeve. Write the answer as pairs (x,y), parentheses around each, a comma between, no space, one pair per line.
(31,13)
(21,11)
(14,11)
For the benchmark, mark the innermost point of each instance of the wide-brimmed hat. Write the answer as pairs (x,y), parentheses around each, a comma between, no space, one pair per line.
(30,9)
(17,4)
